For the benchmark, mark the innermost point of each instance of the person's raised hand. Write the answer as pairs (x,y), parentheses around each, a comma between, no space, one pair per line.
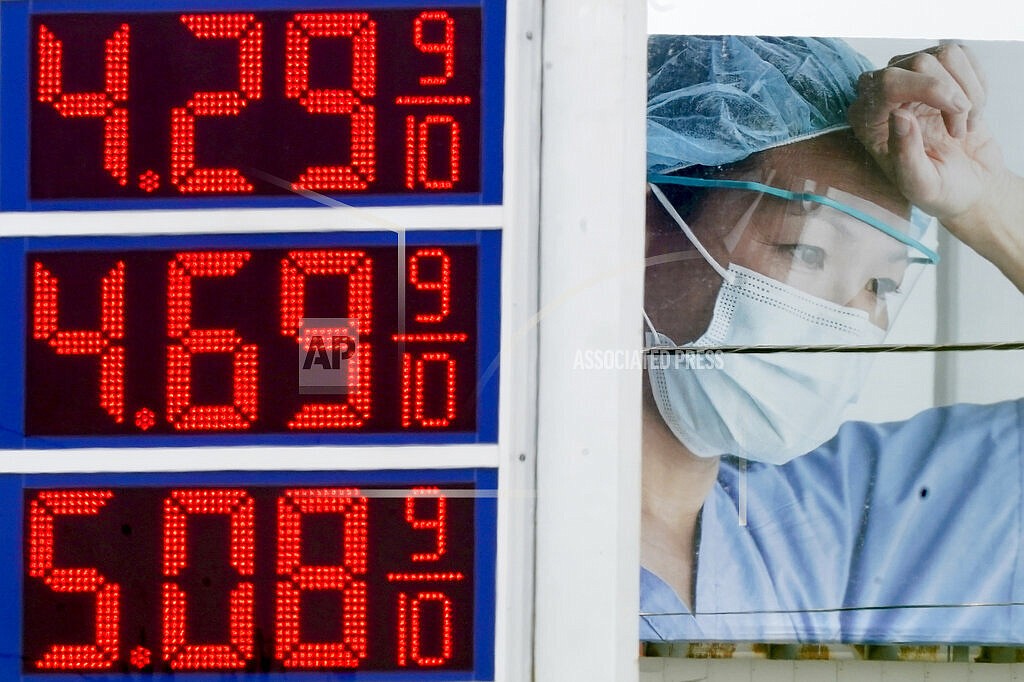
(920,117)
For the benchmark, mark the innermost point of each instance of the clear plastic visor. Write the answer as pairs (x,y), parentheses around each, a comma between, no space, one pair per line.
(820,240)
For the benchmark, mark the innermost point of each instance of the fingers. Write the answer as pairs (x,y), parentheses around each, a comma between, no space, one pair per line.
(914,172)
(960,62)
(926,82)
(922,78)
(972,59)
(948,79)
(934,66)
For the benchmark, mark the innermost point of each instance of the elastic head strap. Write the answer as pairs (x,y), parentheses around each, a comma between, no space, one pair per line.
(663,200)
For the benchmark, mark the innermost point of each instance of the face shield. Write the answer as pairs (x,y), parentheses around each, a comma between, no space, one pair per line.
(809,267)
(821,241)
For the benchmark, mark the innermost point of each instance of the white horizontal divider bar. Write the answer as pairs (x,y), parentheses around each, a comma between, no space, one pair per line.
(249,458)
(329,218)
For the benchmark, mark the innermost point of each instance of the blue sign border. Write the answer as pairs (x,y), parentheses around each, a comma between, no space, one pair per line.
(486,507)
(15,93)
(13,278)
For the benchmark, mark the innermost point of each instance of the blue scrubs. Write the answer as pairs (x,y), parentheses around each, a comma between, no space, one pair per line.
(901,532)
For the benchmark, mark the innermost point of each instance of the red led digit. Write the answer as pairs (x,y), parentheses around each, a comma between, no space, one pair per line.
(442,285)
(410,630)
(446,47)
(410,152)
(91,657)
(414,390)
(240,509)
(352,102)
(249,33)
(181,413)
(45,327)
(358,268)
(438,523)
(417,154)
(50,88)
(298,577)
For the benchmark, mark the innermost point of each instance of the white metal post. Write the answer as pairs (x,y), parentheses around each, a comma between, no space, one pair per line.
(591,249)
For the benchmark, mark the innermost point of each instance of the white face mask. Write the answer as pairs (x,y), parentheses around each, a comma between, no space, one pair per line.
(766,407)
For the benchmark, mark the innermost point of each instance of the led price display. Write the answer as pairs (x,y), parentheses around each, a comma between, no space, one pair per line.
(309,572)
(180,105)
(296,335)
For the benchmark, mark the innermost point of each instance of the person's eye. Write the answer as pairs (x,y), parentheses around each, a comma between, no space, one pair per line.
(807,256)
(882,286)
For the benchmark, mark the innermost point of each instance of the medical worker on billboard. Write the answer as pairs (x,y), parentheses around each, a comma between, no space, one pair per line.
(790,191)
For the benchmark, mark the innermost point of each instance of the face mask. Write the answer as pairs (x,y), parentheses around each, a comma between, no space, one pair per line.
(766,407)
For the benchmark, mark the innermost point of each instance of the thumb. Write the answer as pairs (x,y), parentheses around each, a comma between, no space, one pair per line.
(914,173)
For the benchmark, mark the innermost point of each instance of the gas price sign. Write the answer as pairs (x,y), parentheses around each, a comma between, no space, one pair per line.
(225,574)
(345,338)
(155,104)
(334,339)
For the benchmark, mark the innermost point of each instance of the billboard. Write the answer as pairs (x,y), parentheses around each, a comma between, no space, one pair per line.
(832,316)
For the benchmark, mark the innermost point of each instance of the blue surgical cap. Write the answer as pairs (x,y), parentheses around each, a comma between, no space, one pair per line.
(713,100)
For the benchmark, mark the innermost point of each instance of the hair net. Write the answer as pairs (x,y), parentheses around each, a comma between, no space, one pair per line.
(713,100)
